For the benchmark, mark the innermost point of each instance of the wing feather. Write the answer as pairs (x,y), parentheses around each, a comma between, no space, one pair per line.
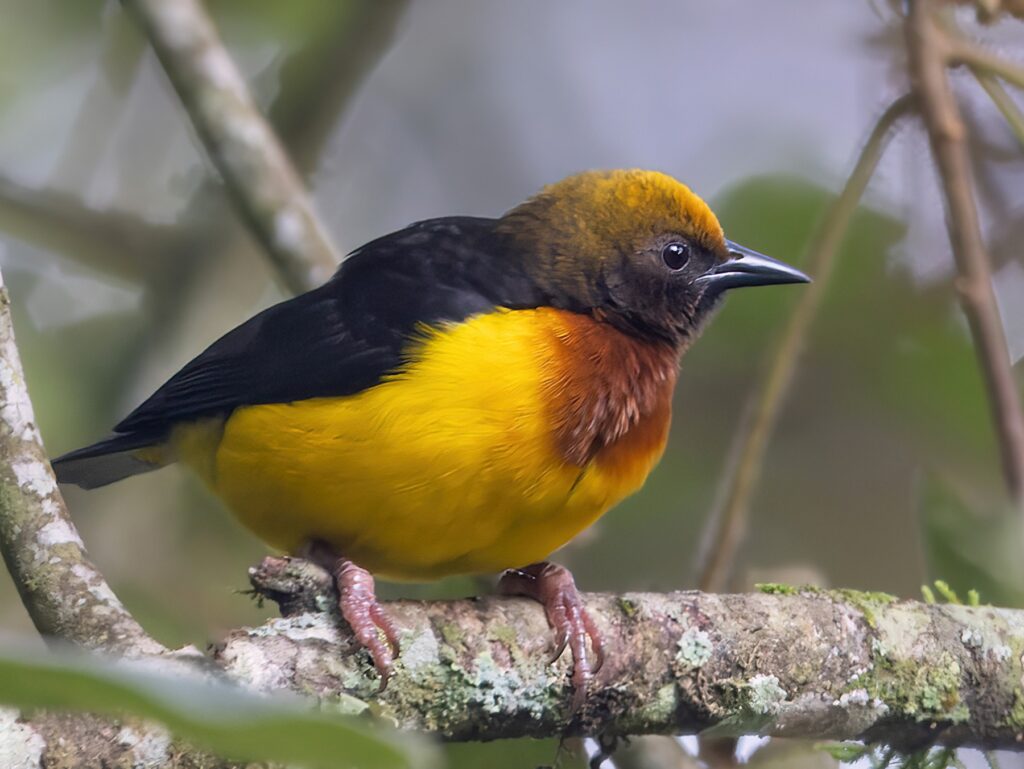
(346,335)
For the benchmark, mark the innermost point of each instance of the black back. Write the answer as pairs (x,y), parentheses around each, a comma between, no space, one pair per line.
(346,335)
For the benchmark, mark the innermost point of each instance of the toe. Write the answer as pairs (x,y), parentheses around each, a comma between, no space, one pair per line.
(554,587)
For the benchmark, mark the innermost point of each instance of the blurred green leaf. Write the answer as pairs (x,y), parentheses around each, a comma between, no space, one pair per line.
(892,343)
(844,751)
(971,548)
(216,716)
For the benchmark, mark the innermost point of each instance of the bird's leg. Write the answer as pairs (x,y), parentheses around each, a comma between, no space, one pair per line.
(359,606)
(553,586)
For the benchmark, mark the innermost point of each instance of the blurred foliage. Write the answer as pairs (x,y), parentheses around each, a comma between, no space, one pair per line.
(215,716)
(972,546)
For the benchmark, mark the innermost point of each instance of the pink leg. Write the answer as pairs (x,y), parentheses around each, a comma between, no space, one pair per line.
(359,606)
(554,588)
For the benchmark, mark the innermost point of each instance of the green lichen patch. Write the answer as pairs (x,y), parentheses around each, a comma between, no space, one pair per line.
(452,634)
(506,634)
(1015,718)
(628,605)
(747,706)
(419,650)
(926,690)
(866,602)
(765,695)
(694,648)
(777,588)
(495,688)
(452,683)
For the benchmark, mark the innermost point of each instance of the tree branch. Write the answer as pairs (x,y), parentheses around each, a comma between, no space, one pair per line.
(46,739)
(727,523)
(113,241)
(990,10)
(929,50)
(827,664)
(960,51)
(1011,113)
(785,662)
(255,167)
(64,593)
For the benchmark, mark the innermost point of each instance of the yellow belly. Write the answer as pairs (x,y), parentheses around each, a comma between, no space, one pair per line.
(448,467)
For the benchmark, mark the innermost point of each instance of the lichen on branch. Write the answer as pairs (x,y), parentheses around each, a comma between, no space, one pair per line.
(790,662)
(63,591)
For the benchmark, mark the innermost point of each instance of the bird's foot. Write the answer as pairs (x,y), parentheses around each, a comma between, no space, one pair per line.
(554,588)
(371,625)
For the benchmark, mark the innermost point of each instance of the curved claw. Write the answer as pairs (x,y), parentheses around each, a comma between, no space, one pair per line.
(386,626)
(553,586)
(366,617)
(596,640)
(357,599)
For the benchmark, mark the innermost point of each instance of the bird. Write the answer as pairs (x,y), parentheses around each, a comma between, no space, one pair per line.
(463,396)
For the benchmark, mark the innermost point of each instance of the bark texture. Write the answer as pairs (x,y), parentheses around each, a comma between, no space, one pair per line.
(65,594)
(786,662)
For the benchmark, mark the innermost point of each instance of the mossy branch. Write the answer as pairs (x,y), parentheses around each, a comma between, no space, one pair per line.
(785,661)
(64,593)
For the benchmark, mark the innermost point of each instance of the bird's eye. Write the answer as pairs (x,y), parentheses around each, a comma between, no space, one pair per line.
(675,255)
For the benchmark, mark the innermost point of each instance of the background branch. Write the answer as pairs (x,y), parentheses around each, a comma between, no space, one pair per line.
(113,241)
(1004,102)
(960,51)
(256,170)
(929,51)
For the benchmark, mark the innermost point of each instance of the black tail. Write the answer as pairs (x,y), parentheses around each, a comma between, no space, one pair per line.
(106,461)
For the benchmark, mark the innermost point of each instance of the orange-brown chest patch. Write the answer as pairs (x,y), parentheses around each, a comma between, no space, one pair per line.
(610,393)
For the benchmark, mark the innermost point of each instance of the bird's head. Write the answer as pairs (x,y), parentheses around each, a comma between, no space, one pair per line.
(636,248)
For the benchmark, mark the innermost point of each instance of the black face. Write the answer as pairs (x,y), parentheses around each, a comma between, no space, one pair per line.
(669,284)
(654,290)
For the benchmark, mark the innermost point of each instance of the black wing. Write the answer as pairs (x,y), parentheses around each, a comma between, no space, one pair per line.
(346,335)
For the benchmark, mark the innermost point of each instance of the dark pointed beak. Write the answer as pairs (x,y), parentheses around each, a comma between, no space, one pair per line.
(745,267)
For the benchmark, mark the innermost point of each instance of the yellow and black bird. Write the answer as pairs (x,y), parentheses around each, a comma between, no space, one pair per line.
(463,396)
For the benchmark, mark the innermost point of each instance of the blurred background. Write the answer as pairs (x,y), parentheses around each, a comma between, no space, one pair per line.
(124,259)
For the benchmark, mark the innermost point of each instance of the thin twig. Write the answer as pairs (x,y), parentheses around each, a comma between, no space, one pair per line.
(990,10)
(64,593)
(255,167)
(728,521)
(1012,114)
(113,241)
(960,51)
(930,51)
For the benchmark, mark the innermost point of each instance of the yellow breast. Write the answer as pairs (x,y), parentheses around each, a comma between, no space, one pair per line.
(457,464)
